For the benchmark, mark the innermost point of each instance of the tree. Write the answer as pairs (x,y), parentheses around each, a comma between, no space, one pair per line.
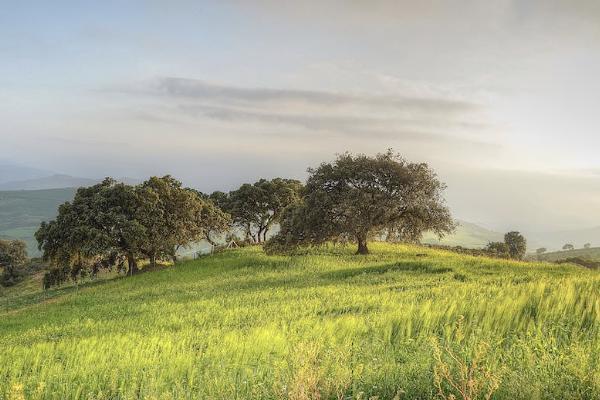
(568,246)
(587,246)
(13,256)
(213,221)
(541,251)
(357,197)
(498,249)
(169,215)
(255,207)
(517,245)
(97,230)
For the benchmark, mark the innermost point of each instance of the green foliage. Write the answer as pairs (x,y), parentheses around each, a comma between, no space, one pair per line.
(326,324)
(516,244)
(541,250)
(112,224)
(568,246)
(13,256)
(357,197)
(256,207)
(498,249)
(587,246)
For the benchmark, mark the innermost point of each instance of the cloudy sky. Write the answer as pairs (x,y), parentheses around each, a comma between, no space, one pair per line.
(501,97)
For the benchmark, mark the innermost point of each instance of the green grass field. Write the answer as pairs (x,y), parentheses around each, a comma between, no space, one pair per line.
(324,325)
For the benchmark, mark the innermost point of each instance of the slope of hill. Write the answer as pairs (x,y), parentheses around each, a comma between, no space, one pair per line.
(12,172)
(56,181)
(467,234)
(326,324)
(591,254)
(21,212)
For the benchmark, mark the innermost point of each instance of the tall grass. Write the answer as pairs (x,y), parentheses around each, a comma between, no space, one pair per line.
(322,325)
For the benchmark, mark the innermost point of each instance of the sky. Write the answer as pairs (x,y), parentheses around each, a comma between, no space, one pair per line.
(501,98)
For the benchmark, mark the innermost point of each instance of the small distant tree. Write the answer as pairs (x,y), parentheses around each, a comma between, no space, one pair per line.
(517,245)
(254,208)
(498,249)
(358,197)
(568,246)
(541,251)
(13,257)
(587,245)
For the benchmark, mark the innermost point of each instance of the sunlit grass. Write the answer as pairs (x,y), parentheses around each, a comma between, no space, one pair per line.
(326,324)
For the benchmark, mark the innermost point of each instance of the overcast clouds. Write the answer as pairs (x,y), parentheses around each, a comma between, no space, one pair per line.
(500,97)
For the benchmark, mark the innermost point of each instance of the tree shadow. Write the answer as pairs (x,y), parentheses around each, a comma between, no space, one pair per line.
(412,266)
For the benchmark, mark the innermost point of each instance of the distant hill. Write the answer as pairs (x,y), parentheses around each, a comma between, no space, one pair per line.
(56,181)
(467,234)
(12,172)
(556,240)
(591,254)
(21,212)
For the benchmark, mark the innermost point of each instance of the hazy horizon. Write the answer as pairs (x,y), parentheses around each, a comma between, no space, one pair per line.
(499,98)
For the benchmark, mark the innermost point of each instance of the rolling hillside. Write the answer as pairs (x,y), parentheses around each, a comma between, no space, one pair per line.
(468,235)
(591,254)
(326,324)
(21,212)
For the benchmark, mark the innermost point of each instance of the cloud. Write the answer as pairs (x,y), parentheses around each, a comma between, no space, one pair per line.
(199,90)
(435,119)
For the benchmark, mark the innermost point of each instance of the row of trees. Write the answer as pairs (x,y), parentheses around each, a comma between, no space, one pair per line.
(355,198)
(566,247)
(115,224)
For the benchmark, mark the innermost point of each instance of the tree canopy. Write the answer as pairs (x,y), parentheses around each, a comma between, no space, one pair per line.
(357,197)
(110,224)
(516,244)
(255,207)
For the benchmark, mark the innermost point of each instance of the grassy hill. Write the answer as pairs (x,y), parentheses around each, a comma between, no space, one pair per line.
(466,235)
(327,324)
(591,254)
(22,211)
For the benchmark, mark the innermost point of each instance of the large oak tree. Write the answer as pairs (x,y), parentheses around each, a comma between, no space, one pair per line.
(357,197)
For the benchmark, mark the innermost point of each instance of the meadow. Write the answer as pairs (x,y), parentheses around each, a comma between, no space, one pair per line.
(404,322)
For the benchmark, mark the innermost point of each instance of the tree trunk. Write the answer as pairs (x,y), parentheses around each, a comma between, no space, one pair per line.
(265,235)
(209,240)
(174,255)
(362,244)
(132,263)
(153,260)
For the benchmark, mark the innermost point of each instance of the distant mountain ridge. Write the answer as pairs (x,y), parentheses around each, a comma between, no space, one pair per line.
(13,172)
(56,181)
